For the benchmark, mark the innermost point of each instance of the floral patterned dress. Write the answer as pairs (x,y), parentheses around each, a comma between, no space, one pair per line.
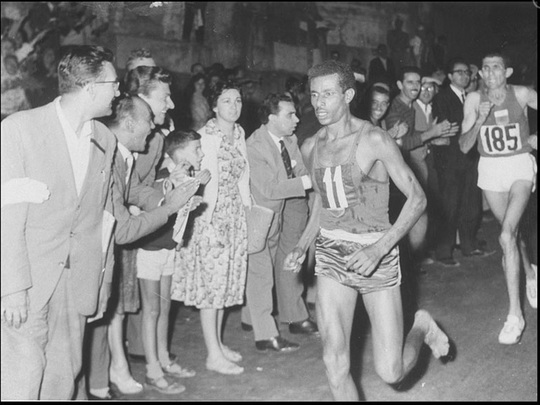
(210,270)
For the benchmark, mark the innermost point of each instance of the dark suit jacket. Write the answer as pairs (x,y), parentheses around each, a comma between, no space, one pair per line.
(39,239)
(447,105)
(377,72)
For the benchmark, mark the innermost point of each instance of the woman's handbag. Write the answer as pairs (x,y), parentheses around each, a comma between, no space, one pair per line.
(259,219)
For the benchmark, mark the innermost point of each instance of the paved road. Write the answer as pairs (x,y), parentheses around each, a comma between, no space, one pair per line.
(470,302)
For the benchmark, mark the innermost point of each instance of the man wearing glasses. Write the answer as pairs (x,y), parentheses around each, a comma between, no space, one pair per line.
(496,119)
(461,199)
(52,253)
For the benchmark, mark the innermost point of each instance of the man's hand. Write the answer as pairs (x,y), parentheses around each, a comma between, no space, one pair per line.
(204,176)
(446,129)
(293,261)
(15,308)
(103,299)
(365,261)
(398,130)
(178,197)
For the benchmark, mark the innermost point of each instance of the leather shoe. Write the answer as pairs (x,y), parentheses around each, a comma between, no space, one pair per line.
(277,344)
(246,327)
(307,327)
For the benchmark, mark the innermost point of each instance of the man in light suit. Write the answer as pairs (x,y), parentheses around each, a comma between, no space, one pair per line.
(278,176)
(53,253)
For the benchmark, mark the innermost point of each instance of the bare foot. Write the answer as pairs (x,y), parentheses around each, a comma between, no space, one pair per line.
(224,366)
(230,354)
(435,338)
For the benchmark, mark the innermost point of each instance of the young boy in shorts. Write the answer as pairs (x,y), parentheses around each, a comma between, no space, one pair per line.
(155,266)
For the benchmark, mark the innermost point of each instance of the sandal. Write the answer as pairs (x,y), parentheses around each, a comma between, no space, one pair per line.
(174,369)
(160,384)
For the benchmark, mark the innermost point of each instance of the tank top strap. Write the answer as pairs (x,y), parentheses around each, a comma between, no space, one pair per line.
(356,141)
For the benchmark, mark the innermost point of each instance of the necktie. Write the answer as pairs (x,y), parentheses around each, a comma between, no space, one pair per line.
(463,97)
(286,160)
(129,167)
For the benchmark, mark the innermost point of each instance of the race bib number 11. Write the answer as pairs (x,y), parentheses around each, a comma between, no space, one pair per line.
(500,139)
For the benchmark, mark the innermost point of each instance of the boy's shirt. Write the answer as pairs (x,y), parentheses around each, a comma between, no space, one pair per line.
(163,237)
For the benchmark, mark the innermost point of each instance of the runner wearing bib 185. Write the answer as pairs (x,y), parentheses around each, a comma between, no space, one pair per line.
(495,117)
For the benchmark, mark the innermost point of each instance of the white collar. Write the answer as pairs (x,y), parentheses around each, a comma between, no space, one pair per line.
(86,130)
(124,151)
(275,138)
(457,90)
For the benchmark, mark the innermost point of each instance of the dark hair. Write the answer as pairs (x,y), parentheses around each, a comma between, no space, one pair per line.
(455,61)
(179,139)
(195,64)
(270,105)
(292,82)
(409,69)
(126,106)
(220,88)
(378,89)
(494,54)
(135,54)
(143,79)
(330,67)
(81,65)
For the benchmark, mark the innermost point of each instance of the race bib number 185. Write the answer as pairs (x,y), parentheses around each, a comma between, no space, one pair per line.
(500,139)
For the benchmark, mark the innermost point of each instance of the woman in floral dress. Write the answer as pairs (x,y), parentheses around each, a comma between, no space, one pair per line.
(212,264)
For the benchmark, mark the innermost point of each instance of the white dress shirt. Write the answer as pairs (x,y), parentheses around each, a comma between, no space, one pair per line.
(78,146)
(460,93)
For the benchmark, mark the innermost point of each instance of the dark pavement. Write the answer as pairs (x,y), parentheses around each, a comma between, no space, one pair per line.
(469,302)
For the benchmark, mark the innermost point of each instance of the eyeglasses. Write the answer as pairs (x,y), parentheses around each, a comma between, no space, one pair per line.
(382,104)
(427,88)
(462,72)
(116,82)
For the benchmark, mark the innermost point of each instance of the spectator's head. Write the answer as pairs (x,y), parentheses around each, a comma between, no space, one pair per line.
(278,113)
(398,23)
(89,69)
(226,101)
(382,51)
(458,72)
(139,57)
(11,63)
(474,82)
(152,84)
(184,146)
(379,101)
(409,84)
(131,122)
(429,88)
(292,84)
(197,68)
(334,55)
(197,84)
(49,58)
